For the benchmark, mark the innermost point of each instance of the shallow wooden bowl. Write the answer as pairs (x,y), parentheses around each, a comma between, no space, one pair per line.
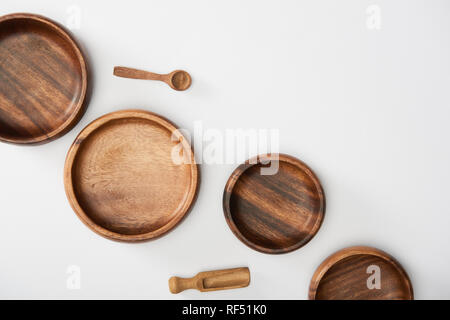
(350,274)
(122,180)
(275,213)
(43,80)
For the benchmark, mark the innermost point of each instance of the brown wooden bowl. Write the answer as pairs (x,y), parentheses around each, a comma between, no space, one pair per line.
(347,275)
(121,180)
(43,79)
(274,213)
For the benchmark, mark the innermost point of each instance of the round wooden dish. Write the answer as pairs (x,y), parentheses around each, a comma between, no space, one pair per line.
(43,80)
(275,213)
(121,178)
(348,274)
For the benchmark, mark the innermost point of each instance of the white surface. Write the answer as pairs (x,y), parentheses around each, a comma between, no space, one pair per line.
(368,110)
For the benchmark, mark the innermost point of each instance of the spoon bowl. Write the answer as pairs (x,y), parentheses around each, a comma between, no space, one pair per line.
(179,80)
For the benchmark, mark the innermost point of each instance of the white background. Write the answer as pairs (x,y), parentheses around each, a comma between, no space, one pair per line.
(367,109)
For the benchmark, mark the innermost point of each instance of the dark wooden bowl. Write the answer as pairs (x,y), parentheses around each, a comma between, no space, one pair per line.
(121,180)
(43,80)
(347,275)
(275,213)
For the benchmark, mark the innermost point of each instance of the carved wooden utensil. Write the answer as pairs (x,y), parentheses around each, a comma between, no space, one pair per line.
(43,79)
(179,80)
(360,273)
(212,280)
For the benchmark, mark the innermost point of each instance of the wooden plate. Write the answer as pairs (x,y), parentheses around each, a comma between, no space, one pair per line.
(121,180)
(274,213)
(351,274)
(43,80)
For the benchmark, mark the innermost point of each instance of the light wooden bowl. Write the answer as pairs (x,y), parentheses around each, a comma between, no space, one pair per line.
(121,179)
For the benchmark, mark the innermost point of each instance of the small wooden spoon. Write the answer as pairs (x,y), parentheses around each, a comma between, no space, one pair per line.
(212,280)
(179,80)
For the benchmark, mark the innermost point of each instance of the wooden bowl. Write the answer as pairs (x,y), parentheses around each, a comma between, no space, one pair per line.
(43,80)
(121,179)
(275,213)
(348,274)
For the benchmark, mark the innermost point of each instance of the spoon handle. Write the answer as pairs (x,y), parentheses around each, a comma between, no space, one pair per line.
(131,73)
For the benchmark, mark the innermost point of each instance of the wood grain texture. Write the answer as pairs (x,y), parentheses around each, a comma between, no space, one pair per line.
(121,180)
(178,80)
(343,276)
(212,280)
(274,213)
(43,80)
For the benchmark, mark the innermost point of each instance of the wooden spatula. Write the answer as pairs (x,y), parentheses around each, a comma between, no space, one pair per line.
(212,280)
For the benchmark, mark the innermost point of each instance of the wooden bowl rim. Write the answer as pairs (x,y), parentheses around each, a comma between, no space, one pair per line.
(257,161)
(78,109)
(330,261)
(68,181)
